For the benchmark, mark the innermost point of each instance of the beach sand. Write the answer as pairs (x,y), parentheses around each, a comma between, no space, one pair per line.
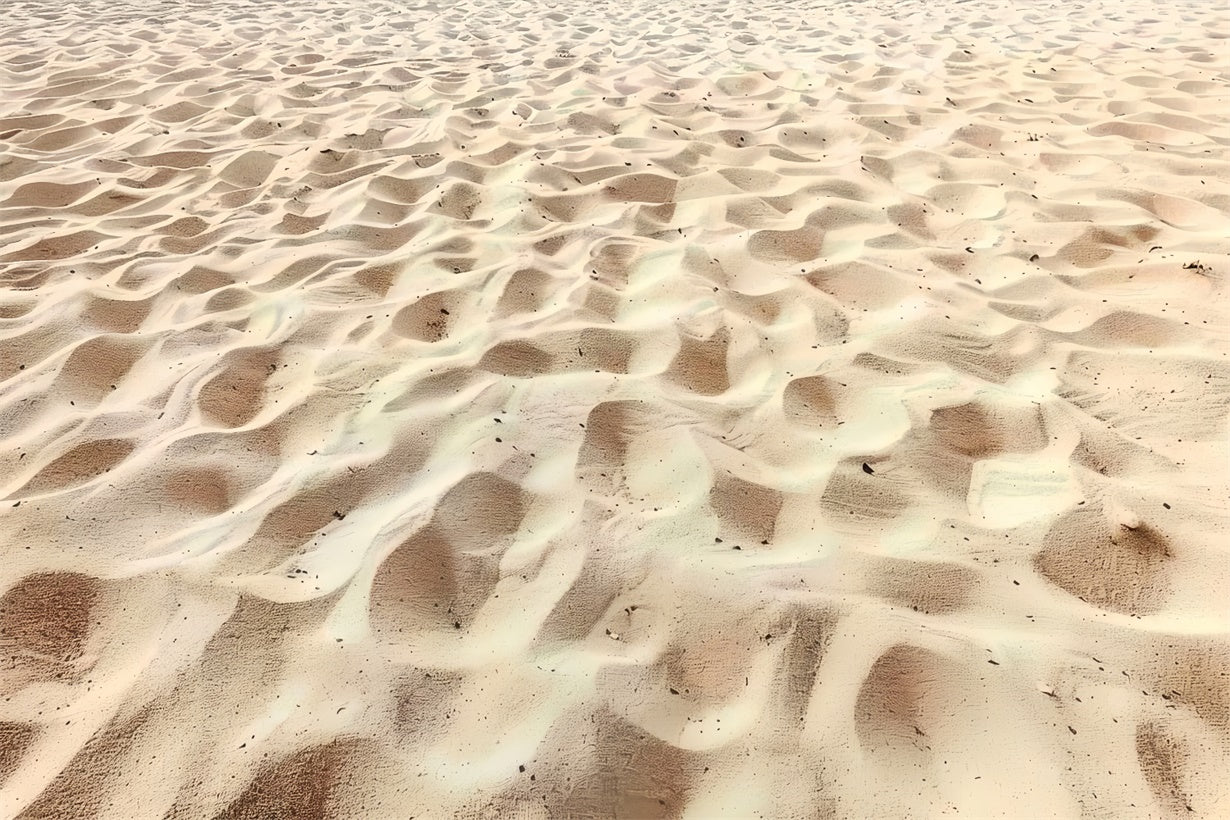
(562,410)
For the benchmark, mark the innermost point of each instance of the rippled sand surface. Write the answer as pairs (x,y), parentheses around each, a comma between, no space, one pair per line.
(621,410)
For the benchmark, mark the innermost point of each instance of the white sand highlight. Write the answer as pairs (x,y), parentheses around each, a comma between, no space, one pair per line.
(630,410)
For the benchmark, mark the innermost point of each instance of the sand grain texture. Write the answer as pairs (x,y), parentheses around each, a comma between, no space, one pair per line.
(630,410)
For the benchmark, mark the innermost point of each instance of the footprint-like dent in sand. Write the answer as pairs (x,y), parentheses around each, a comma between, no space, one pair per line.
(308,784)
(801,245)
(79,465)
(744,508)
(460,201)
(852,491)
(205,491)
(428,584)
(429,319)
(610,428)
(517,357)
(980,430)
(58,247)
(700,365)
(619,770)
(527,291)
(99,366)
(46,623)
(117,315)
(1162,757)
(84,785)
(1118,567)
(15,739)
(642,188)
(929,587)
(235,395)
(810,401)
(440,577)
(907,691)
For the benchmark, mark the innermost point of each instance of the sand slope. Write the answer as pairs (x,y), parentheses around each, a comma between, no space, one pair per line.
(614,410)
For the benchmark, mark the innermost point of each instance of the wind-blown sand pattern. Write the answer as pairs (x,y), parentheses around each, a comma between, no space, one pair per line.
(558,410)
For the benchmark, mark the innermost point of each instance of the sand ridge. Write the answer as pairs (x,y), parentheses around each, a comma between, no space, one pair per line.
(528,410)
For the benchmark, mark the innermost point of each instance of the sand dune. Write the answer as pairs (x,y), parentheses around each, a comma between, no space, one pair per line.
(624,410)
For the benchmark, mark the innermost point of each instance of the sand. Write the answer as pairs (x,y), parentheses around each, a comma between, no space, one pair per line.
(560,410)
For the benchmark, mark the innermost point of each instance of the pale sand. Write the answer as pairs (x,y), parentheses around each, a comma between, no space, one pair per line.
(462,411)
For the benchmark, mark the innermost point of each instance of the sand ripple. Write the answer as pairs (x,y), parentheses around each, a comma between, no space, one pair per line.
(636,410)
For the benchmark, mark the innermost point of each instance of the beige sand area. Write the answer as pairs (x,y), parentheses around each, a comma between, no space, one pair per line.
(614,409)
